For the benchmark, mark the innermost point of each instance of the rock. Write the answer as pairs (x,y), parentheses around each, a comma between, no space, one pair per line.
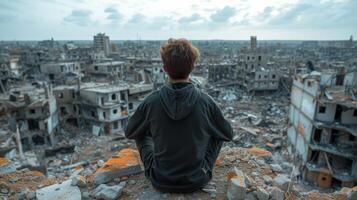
(132,182)
(276,168)
(258,152)
(250,196)
(352,195)
(79,181)
(287,166)
(126,162)
(249,181)
(11,154)
(255,174)
(262,194)
(85,195)
(267,179)
(277,194)
(109,192)
(210,190)
(62,190)
(236,186)
(261,162)
(282,181)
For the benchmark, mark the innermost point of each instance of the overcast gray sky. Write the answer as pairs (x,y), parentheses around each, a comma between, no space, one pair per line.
(193,19)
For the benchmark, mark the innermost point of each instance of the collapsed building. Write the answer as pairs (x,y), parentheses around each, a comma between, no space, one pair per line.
(99,107)
(32,110)
(219,72)
(103,70)
(61,72)
(254,72)
(323,127)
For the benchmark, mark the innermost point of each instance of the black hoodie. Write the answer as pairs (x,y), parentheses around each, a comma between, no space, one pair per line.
(181,120)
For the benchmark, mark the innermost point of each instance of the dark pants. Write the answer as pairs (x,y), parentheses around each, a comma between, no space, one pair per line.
(146,150)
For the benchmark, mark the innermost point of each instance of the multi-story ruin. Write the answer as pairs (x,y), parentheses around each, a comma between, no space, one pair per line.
(221,72)
(61,72)
(323,126)
(104,107)
(32,109)
(102,43)
(254,72)
(103,70)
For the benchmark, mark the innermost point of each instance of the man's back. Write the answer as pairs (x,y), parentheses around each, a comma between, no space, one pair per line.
(186,128)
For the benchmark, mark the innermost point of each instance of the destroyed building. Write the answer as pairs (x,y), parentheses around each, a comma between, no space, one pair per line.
(32,109)
(323,127)
(219,72)
(254,72)
(103,70)
(102,43)
(104,107)
(68,104)
(61,72)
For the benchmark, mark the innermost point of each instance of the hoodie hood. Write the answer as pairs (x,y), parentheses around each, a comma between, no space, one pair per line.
(179,99)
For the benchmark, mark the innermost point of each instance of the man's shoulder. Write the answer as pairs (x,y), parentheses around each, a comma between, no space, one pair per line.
(152,97)
(206,98)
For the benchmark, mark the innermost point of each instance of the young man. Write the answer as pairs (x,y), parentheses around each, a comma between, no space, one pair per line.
(178,129)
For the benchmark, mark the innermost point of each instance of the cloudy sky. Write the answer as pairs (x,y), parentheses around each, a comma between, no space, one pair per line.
(193,19)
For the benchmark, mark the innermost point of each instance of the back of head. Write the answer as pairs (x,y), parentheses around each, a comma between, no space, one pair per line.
(179,57)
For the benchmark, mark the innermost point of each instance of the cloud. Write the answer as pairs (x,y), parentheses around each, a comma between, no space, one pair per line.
(113,14)
(136,19)
(292,15)
(4,18)
(194,17)
(79,17)
(224,14)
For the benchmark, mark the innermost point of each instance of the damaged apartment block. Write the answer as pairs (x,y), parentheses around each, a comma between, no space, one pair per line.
(323,127)
(99,107)
(32,110)
(104,107)
(255,73)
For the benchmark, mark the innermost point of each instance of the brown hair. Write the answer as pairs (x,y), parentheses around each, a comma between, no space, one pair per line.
(179,57)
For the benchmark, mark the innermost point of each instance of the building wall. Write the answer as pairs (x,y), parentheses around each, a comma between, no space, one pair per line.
(348,117)
(329,112)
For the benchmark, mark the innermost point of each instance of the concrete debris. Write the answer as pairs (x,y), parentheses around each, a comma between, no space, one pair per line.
(106,192)
(79,181)
(282,181)
(352,195)
(276,168)
(262,194)
(126,162)
(236,186)
(62,190)
(277,194)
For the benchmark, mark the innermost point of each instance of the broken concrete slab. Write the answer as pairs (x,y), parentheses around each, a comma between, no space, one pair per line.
(79,181)
(352,195)
(259,152)
(277,194)
(126,162)
(109,192)
(62,190)
(276,167)
(236,186)
(282,181)
(262,194)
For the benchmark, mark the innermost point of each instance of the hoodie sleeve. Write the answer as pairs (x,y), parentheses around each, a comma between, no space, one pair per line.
(221,128)
(138,125)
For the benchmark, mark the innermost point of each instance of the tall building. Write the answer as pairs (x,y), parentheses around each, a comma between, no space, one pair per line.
(102,43)
(253,42)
